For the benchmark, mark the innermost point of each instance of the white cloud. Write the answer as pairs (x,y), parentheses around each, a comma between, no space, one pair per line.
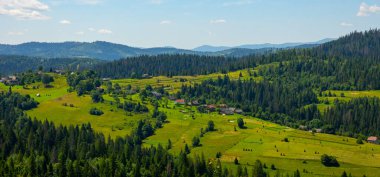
(79,33)
(91,29)
(16,33)
(65,22)
(24,9)
(238,3)
(104,31)
(345,24)
(366,10)
(218,21)
(166,22)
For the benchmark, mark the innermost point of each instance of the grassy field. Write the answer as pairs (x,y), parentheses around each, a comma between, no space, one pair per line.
(113,122)
(173,84)
(347,96)
(58,89)
(263,139)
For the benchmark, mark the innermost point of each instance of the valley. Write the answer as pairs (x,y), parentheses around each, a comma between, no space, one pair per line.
(260,140)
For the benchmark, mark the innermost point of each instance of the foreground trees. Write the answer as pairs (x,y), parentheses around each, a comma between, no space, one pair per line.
(34,148)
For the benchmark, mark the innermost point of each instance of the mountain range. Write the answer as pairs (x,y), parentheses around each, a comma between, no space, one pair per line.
(111,51)
(209,48)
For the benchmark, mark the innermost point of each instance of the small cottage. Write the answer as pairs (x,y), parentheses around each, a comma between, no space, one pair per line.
(238,111)
(373,139)
(227,111)
(211,107)
(180,101)
(195,103)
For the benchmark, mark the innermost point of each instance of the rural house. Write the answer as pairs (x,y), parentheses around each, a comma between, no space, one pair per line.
(373,139)
(223,106)
(227,111)
(10,80)
(211,107)
(157,95)
(238,111)
(194,103)
(180,101)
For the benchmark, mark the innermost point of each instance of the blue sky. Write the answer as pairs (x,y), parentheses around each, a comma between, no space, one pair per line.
(184,23)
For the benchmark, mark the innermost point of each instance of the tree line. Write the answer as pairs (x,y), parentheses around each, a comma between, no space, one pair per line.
(40,148)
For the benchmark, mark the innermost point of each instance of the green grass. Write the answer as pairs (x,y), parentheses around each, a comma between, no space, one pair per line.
(173,84)
(264,138)
(113,122)
(59,88)
(348,95)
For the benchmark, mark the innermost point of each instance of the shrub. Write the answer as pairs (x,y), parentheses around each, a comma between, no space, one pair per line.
(196,141)
(272,167)
(329,161)
(240,123)
(96,111)
(236,161)
(218,155)
(210,126)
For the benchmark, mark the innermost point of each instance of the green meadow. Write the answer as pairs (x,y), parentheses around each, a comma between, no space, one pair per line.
(62,107)
(344,96)
(265,142)
(173,84)
(260,140)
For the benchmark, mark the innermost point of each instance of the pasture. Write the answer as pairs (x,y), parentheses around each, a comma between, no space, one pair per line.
(260,140)
(173,84)
(343,96)
(264,140)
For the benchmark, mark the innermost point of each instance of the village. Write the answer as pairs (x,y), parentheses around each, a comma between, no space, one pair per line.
(10,80)
(223,109)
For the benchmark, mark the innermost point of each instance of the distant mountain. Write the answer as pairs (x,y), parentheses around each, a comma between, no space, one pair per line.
(97,50)
(209,48)
(241,52)
(110,51)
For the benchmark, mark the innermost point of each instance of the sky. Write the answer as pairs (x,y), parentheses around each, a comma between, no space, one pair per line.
(184,23)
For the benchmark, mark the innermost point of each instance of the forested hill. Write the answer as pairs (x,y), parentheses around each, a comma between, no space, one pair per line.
(356,44)
(358,50)
(15,64)
(168,65)
(98,50)
(105,50)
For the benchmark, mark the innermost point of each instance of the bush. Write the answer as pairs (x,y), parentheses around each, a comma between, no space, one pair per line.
(240,123)
(236,161)
(96,112)
(46,79)
(210,126)
(329,161)
(96,96)
(360,139)
(196,141)
(218,155)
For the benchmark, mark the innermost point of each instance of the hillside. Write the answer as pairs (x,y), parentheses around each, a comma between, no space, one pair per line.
(210,48)
(97,50)
(110,51)
(10,64)
(281,112)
